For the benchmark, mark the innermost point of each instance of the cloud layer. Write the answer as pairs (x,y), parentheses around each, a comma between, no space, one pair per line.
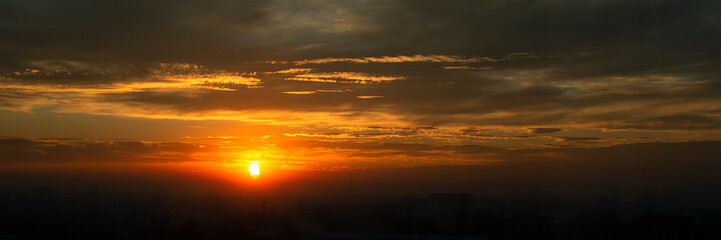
(527,74)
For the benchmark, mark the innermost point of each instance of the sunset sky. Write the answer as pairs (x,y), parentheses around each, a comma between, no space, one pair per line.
(328,85)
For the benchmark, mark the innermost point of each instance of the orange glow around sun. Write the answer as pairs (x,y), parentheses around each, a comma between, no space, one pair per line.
(254,169)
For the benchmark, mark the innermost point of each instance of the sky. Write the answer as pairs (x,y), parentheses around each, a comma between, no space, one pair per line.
(322,85)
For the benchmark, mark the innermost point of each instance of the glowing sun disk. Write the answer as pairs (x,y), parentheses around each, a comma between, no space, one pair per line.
(254,169)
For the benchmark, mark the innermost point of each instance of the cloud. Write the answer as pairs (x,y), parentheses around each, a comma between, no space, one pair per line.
(579,139)
(372,132)
(673,122)
(625,167)
(299,92)
(22,150)
(126,30)
(544,130)
(648,66)
(344,77)
(318,91)
(399,59)
(421,59)
(61,74)
(293,70)
(466,68)
(562,94)
(368,97)
(17,143)
(55,81)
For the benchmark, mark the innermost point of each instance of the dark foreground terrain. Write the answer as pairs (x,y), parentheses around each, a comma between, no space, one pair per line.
(42,212)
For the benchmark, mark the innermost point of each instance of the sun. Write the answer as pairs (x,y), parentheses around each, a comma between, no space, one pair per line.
(254,168)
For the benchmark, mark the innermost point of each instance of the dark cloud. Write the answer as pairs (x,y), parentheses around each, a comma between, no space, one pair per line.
(579,139)
(628,169)
(553,27)
(357,145)
(520,89)
(544,130)
(215,31)
(17,143)
(126,31)
(472,130)
(20,150)
(675,122)
(529,63)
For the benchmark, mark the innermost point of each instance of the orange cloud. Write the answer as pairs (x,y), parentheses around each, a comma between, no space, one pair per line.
(396,59)
(299,92)
(345,77)
(416,58)
(293,70)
